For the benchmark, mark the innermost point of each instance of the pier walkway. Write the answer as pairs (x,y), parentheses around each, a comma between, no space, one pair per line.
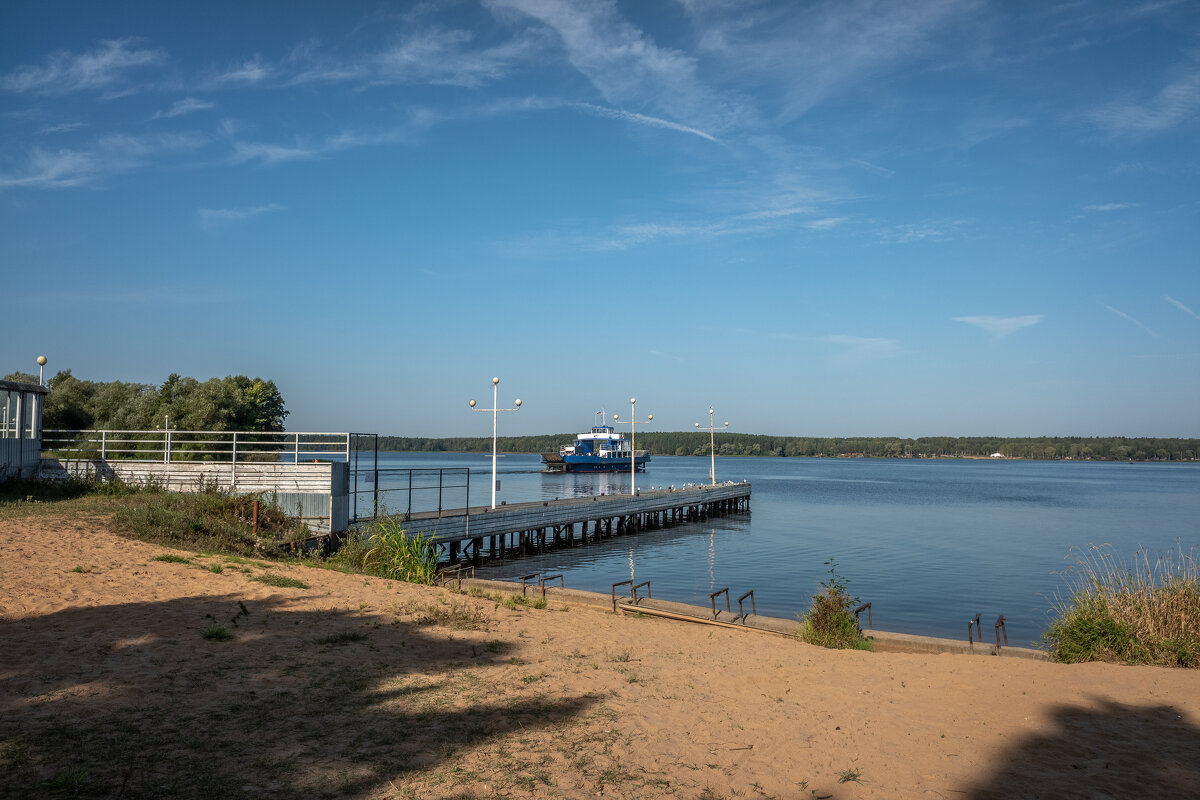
(480,531)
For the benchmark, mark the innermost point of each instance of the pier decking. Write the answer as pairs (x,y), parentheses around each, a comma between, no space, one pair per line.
(534,527)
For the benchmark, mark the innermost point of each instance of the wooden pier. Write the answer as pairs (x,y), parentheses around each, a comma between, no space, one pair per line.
(481,532)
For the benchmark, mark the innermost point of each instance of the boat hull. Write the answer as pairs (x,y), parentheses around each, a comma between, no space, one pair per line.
(593,463)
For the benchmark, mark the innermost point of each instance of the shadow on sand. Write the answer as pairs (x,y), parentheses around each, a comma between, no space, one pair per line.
(132,701)
(1107,750)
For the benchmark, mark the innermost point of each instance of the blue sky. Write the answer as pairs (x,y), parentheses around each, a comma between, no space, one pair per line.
(945,217)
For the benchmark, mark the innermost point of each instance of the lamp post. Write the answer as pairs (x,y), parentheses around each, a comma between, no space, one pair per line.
(633,423)
(712,444)
(41,362)
(495,409)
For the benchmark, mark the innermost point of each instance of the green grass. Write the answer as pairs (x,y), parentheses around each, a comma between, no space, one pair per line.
(170,558)
(345,637)
(209,521)
(1144,612)
(830,620)
(850,776)
(216,633)
(283,581)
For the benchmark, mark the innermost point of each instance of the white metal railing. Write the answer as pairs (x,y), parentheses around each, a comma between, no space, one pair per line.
(165,446)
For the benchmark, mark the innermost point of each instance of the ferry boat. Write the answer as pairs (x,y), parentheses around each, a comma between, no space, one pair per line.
(601,449)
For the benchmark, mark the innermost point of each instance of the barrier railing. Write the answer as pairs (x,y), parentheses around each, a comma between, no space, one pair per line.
(171,445)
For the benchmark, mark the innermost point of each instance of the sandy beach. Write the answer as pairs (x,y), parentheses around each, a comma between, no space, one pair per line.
(360,687)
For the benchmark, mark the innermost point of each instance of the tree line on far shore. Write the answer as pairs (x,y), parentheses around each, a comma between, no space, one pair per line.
(691,443)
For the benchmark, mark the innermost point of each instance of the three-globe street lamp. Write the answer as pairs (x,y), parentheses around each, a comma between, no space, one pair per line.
(712,443)
(633,423)
(494,409)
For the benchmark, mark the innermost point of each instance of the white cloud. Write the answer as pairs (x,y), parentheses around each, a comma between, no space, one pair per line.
(825,224)
(110,155)
(812,52)
(1123,315)
(62,127)
(1181,306)
(209,218)
(444,57)
(1000,327)
(185,106)
(857,349)
(936,231)
(642,119)
(250,72)
(63,72)
(625,65)
(1172,105)
(1105,207)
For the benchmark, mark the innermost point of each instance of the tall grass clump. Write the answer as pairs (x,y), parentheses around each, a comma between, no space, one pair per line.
(209,521)
(830,621)
(1143,612)
(387,550)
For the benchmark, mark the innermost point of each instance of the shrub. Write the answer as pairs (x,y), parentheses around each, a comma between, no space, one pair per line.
(1144,613)
(830,620)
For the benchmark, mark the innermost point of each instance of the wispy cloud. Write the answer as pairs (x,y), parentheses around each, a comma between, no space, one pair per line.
(185,106)
(61,127)
(1125,316)
(443,57)
(642,119)
(110,155)
(856,349)
(1181,306)
(1102,208)
(627,67)
(937,231)
(104,67)
(250,72)
(833,45)
(1001,327)
(1170,106)
(210,218)
(825,224)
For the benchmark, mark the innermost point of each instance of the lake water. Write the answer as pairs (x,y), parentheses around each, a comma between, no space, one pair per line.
(929,542)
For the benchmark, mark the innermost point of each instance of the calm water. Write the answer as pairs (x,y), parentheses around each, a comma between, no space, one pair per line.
(929,543)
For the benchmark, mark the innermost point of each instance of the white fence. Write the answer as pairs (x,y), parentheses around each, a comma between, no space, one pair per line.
(306,473)
(229,447)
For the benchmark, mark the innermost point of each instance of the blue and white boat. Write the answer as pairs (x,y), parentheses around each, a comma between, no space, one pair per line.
(601,449)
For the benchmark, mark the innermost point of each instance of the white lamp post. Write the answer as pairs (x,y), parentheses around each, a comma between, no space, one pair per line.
(494,409)
(633,423)
(41,361)
(712,444)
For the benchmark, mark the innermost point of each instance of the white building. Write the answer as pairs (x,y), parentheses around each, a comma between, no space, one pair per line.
(20,429)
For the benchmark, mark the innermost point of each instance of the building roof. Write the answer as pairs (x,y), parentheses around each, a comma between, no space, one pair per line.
(14,386)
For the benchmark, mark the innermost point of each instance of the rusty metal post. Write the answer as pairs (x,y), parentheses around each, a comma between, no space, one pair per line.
(615,585)
(1000,627)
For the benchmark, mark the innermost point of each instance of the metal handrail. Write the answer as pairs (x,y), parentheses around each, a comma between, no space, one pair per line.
(713,598)
(217,446)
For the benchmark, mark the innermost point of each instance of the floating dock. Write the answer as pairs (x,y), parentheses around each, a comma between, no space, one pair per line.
(481,532)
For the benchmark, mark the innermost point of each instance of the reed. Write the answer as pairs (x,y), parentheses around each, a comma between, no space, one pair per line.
(395,553)
(1143,611)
